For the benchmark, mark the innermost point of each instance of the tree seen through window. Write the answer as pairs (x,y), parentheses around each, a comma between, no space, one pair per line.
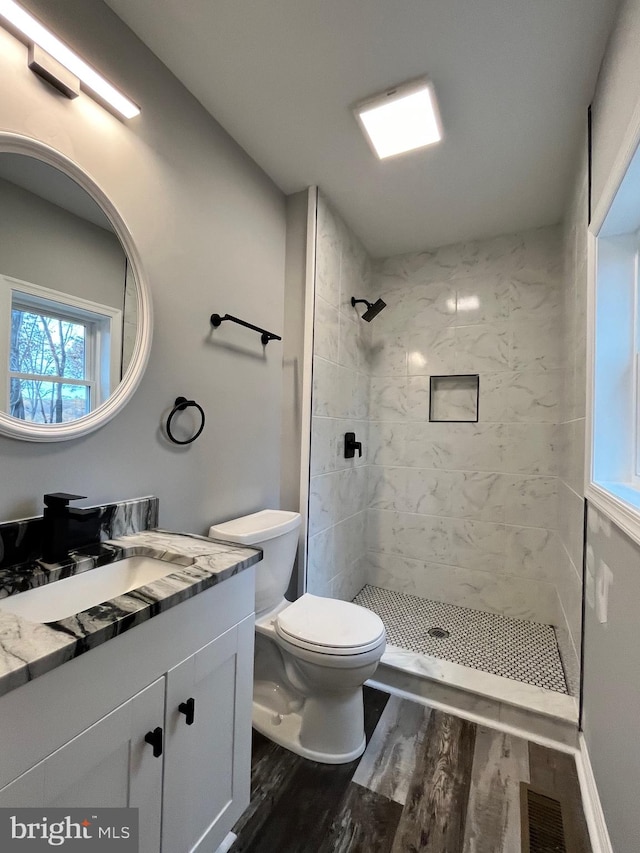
(47,367)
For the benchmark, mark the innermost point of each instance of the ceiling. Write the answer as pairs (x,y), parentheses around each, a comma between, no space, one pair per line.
(513,79)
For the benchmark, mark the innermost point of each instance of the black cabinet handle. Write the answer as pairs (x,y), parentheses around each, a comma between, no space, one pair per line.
(188,708)
(155,739)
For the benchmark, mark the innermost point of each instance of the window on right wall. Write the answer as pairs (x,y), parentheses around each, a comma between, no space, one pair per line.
(615,411)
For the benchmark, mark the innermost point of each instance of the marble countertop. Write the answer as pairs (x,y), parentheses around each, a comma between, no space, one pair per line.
(30,649)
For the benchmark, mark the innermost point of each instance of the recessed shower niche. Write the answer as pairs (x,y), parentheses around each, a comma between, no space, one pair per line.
(454,399)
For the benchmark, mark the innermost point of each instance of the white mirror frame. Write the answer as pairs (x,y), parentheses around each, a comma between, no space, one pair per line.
(11,143)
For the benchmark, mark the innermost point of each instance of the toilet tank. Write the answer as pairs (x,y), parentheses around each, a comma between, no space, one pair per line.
(276,532)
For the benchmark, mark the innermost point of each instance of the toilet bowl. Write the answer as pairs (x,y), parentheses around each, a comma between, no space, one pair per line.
(312,656)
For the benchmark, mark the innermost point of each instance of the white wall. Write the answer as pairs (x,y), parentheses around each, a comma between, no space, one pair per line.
(210,227)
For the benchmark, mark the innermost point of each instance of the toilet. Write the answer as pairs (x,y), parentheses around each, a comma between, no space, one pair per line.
(312,656)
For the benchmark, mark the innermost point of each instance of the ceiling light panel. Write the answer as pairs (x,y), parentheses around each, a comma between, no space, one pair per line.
(401,119)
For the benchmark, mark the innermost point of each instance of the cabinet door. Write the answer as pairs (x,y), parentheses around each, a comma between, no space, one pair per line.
(108,765)
(208,763)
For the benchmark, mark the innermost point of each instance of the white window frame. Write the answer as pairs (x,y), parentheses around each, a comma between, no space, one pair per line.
(635,474)
(103,343)
(616,218)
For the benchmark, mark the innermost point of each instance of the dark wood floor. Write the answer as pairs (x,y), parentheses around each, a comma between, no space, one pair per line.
(428,781)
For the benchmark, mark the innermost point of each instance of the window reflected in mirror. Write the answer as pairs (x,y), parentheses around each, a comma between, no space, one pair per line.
(61,363)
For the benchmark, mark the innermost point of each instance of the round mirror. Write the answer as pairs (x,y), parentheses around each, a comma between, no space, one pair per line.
(75,311)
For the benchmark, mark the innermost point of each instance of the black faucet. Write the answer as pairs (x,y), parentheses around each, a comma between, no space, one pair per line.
(65,527)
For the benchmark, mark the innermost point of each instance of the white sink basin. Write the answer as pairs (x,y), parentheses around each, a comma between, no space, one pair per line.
(64,598)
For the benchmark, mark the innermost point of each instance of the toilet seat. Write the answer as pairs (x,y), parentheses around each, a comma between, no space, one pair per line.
(327,626)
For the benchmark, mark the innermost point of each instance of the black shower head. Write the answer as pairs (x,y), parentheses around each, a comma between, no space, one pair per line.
(373,308)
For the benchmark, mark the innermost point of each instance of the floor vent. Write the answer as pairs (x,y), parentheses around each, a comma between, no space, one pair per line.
(542,826)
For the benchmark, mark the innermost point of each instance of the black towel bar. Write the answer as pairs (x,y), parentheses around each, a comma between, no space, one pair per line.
(216,320)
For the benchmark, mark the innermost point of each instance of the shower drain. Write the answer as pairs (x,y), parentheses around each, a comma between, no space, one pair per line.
(438,633)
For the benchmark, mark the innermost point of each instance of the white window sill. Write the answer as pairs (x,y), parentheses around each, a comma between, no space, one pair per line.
(620,502)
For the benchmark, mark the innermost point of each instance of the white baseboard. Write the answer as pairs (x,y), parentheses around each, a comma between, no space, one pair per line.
(593,813)
(228,843)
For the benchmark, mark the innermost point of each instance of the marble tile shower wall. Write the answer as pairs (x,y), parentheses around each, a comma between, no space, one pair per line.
(467,512)
(338,486)
(572,420)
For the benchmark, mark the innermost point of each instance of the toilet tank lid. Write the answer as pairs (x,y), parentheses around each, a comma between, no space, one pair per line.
(257,527)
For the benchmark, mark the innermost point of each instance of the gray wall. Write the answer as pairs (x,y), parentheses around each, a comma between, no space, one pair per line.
(293,368)
(617,93)
(210,227)
(43,244)
(612,682)
(612,652)
(293,349)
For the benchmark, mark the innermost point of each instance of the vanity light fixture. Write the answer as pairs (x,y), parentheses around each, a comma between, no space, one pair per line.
(401,119)
(42,42)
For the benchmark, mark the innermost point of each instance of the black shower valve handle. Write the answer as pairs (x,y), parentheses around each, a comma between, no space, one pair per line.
(351,445)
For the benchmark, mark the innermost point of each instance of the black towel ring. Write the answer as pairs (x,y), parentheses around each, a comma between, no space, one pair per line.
(181,404)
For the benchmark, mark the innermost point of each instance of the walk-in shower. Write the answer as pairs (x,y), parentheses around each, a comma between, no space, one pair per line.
(446,526)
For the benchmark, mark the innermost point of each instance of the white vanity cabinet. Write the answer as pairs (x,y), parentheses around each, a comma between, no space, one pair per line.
(76,736)
(107,765)
(206,784)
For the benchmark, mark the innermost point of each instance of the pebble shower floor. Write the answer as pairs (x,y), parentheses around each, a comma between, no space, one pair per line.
(513,648)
